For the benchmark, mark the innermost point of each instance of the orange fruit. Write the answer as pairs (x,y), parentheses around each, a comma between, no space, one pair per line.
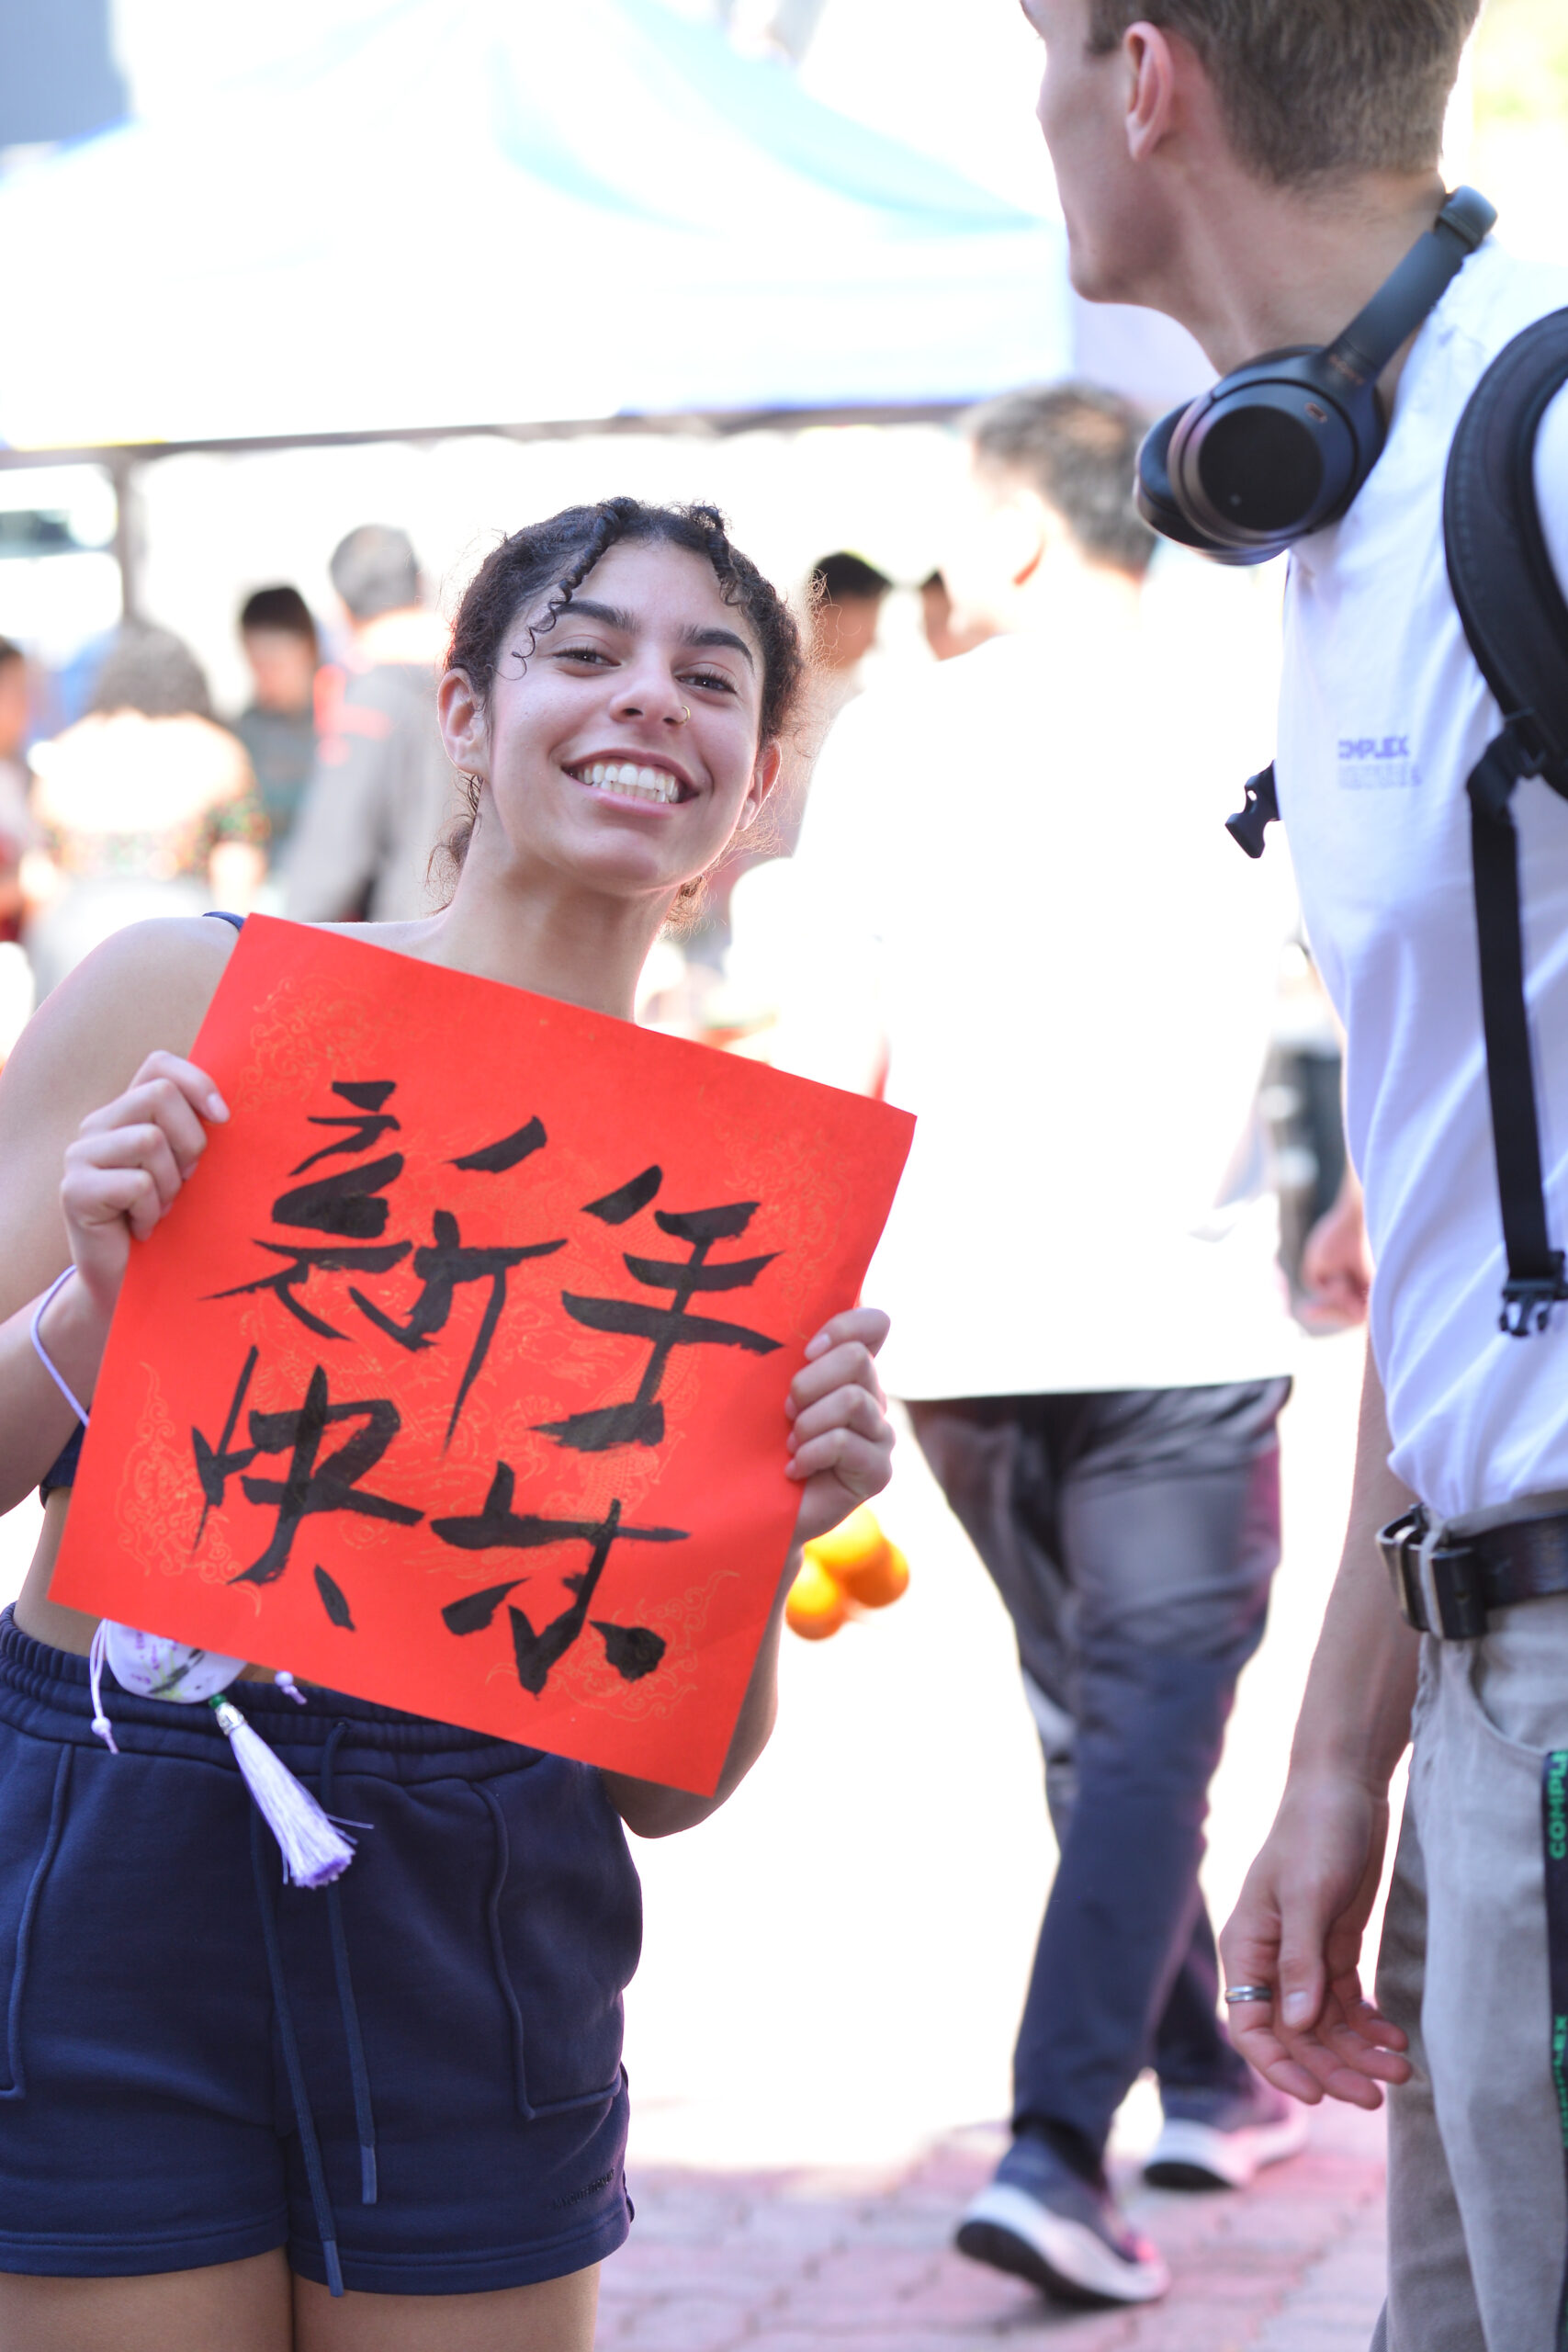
(855,1543)
(880,1581)
(815,1608)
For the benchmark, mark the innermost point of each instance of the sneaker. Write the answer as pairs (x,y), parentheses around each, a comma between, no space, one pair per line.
(1041,2221)
(1223,2139)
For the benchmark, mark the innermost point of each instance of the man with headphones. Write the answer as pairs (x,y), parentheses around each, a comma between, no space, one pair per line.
(1265,171)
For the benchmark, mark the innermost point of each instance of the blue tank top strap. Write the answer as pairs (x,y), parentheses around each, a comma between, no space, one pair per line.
(62,1472)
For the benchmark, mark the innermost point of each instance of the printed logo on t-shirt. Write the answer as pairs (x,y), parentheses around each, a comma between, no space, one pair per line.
(1376,764)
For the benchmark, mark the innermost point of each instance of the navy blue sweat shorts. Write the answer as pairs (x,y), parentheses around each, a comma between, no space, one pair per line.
(411,2080)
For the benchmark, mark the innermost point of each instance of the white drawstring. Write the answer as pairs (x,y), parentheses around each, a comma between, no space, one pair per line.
(101,1724)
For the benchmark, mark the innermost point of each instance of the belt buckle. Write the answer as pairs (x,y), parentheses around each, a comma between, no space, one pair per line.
(1400,1544)
(1450,1579)
(1434,1580)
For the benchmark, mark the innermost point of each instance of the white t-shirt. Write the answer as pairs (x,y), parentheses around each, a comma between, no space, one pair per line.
(1020,856)
(1383,715)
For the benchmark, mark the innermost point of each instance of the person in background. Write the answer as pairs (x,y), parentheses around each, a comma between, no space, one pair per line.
(1021,906)
(946,637)
(846,605)
(844,600)
(383,790)
(15,782)
(844,597)
(277,726)
(146,806)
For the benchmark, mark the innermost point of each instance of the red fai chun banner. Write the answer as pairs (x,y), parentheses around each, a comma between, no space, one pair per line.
(456,1376)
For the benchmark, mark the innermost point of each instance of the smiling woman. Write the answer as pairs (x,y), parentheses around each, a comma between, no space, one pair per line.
(618,679)
(734,652)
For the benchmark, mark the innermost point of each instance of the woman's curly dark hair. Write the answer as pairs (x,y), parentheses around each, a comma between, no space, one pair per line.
(555,557)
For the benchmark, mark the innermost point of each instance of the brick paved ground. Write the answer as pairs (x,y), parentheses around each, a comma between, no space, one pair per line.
(808,2261)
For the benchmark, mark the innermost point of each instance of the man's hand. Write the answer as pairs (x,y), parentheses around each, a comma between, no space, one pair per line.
(1298,1929)
(1337,1267)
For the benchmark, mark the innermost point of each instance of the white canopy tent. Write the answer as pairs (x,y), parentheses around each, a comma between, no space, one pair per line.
(506,213)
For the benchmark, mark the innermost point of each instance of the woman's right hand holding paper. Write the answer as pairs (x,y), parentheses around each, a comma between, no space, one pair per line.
(127,1166)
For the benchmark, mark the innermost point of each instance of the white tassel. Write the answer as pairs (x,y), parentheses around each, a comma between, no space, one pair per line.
(314,1853)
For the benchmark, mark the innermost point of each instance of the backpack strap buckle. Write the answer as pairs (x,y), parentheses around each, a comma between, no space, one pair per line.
(1261,808)
(1528,1299)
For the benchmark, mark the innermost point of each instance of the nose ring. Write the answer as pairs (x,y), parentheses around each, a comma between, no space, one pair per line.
(686,714)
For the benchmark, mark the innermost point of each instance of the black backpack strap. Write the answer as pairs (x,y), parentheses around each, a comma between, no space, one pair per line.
(1516,619)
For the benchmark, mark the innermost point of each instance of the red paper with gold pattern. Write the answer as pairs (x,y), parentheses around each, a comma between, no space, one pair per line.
(455,1378)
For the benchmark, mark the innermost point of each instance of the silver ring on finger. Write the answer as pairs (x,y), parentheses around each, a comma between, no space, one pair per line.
(1236,1995)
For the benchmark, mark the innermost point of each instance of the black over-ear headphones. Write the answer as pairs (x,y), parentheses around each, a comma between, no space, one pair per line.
(1282,446)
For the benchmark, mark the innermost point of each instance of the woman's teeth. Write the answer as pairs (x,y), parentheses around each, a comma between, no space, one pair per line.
(622,776)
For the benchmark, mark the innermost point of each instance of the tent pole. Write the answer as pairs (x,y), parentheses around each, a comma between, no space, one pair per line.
(127,535)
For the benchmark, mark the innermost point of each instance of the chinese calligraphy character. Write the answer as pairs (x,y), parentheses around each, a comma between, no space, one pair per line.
(640,1421)
(632,1650)
(310,1485)
(346,1203)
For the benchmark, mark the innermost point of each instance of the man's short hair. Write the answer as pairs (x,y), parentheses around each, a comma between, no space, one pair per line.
(375,571)
(842,578)
(1077,446)
(1317,89)
(282,610)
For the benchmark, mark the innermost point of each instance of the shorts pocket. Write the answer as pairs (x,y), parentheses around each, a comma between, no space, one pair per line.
(565,1913)
(1516,1676)
(34,1788)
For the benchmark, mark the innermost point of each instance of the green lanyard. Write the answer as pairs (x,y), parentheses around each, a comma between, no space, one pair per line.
(1555,1834)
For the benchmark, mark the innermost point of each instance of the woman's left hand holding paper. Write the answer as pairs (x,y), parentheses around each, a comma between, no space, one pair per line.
(840,1442)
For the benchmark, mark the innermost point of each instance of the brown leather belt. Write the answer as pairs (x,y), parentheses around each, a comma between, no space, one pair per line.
(1448,1583)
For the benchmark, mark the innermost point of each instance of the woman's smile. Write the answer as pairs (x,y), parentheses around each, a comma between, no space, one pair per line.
(655,783)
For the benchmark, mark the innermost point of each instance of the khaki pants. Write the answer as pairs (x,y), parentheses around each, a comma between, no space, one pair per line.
(1478,2212)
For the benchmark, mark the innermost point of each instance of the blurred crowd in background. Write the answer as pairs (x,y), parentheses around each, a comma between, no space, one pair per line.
(128,789)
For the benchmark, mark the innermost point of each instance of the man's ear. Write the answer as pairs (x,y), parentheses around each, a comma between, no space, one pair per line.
(1028,526)
(464,727)
(1152,70)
